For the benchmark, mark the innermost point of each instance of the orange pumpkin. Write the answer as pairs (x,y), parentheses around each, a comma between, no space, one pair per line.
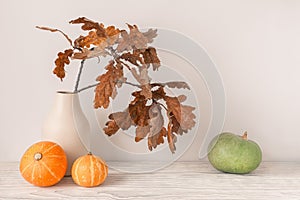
(89,171)
(43,164)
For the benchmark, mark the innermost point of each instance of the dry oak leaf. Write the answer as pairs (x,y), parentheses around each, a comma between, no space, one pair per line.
(146,91)
(91,39)
(107,86)
(139,57)
(155,124)
(112,35)
(111,128)
(63,58)
(157,139)
(158,93)
(177,84)
(135,39)
(133,57)
(156,121)
(99,36)
(150,35)
(171,138)
(90,53)
(141,132)
(138,110)
(110,38)
(122,119)
(144,80)
(175,126)
(89,25)
(182,113)
(99,43)
(118,120)
(150,57)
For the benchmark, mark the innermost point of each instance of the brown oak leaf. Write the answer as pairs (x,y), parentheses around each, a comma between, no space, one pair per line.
(156,119)
(99,43)
(150,34)
(157,139)
(177,84)
(138,110)
(146,91)
(133,58)
(122,119)
(134,39)
(159,93)
(154,129)
(124,42)
(89,25)
(118,120)
(110,37)
(91,39)
(150,57)
(111,128)
(99,36)
(181,98)
(139,57)
(182,113)
(107,86)
(144,80)
(171,138)
(112,34)
(90,53)
(63,58)
(176,128)
(141,132)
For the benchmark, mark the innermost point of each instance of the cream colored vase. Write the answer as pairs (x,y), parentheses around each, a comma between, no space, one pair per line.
(67,125)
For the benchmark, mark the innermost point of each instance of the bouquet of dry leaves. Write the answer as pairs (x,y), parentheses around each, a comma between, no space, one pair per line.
(129,50)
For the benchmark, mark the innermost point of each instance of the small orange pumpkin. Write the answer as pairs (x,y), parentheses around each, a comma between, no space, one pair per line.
(89,171)
(43,164)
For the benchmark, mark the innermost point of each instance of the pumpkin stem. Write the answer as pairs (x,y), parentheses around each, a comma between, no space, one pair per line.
(90,153)
(245,136)
(38,156)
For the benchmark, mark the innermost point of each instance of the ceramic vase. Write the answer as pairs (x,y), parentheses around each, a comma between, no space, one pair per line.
(67,125)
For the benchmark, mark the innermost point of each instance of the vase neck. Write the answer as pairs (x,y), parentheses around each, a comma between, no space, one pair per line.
(66,101)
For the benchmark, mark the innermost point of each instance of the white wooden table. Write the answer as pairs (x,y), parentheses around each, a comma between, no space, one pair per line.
(181,180)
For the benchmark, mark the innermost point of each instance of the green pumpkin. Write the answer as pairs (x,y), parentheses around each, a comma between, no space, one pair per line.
(232,153)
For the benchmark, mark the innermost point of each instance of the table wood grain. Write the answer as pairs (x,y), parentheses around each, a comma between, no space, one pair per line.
(181,180)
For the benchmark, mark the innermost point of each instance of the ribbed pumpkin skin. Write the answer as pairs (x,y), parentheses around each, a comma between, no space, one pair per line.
(89,171)
(43,164)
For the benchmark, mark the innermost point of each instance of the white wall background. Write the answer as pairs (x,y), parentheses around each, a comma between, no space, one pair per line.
(254,43)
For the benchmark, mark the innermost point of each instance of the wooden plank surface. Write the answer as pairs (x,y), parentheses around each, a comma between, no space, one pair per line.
(181,180)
